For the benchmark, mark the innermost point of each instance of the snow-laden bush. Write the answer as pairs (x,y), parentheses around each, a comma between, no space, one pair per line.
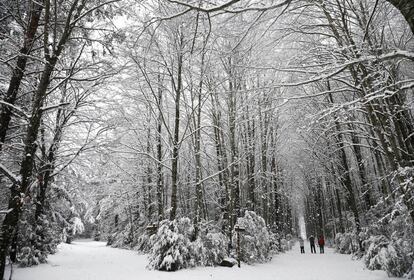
(210,248)
(377,254)
(29,256)
(346,243)
(275,246)
(36,241)
(285,245)
(390,244)
(124,238)
(171,246)
(73,228)
(143,244)
(256,240)
(393,256)
(77,226)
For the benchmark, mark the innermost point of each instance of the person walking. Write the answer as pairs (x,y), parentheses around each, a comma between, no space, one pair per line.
(312,244)
(321,243)
(302,245)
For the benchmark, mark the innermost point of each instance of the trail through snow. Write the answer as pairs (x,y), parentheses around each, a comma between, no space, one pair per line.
(88,260)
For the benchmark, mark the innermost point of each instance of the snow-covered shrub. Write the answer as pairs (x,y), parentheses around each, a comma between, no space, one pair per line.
(143,244)
(77,226)
(96,235)
(389,242)
(73,228)
(275,246)
(284,245)
(123,239)
(376,257)
(171,246)
(393,256)
(29,256)
(59,218)
(210,248)
(346,243)
(342,243)
(256,240)
(36,240)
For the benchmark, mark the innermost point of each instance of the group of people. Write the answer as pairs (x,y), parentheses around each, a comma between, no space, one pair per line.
(321,243)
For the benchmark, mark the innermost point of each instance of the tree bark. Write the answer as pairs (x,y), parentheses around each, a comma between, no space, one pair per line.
(235,184)
(18,72)
(160,203)
(197,151)
(174,165)
(221,163)
(365,187)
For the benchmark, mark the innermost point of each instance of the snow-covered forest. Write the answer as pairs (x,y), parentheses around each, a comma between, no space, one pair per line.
(199,132)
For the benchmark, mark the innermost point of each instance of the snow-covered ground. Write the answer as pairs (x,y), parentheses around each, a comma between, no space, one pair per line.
(88,260)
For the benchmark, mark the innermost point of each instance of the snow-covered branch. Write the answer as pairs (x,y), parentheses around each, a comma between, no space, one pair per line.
(6,172)
(206,9)
(56,106)
(15,108)
(5,212)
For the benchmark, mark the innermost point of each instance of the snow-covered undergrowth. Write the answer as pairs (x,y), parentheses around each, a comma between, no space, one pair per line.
(210,246)
(258,244)
(387,240)
(346,243)
(389,243)
(34,248)
(388,246)
(42,227)
(39,237)
(171,246)
(393,256)
(175,245)
(125,238)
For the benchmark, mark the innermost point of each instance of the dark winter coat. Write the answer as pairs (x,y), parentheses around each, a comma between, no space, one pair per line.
(312,240)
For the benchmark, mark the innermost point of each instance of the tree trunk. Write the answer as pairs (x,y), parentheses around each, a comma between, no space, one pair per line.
(235,188)
(160,203)
(9,227)
(365,187)
(197,151)
(221,163)
(149,171)
(174,165)
(17,74)
(251,202)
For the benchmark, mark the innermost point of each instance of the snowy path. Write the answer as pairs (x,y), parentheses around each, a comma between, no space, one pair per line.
(87,260)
